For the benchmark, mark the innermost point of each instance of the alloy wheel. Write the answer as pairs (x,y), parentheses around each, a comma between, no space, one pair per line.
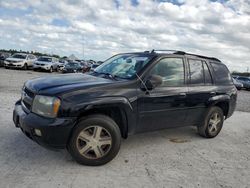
(214,123)
(94,142)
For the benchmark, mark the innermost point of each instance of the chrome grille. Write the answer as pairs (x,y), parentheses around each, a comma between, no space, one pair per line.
(27,99)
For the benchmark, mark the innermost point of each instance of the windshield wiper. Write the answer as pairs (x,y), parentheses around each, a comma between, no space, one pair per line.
(108,75)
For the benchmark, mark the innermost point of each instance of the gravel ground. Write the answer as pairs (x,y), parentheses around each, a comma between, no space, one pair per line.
(243,101)
(169,158)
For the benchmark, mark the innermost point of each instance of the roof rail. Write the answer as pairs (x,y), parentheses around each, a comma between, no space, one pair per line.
(184,53)
(205,57)
(169,51)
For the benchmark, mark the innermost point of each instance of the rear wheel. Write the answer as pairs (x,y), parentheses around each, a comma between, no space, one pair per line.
(95,140)
(213,123)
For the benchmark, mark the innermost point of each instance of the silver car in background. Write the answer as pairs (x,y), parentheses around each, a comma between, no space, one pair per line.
(244,80)
(46,63)
(20,60)
(237,84)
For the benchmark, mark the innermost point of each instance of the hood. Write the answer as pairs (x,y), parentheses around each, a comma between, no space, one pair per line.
(14,59)
(51,85)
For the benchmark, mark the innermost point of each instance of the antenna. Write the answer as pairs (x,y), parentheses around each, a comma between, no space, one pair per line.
(83,45)
(143,83)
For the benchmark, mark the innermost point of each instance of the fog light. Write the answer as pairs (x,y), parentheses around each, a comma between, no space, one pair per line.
(38,132)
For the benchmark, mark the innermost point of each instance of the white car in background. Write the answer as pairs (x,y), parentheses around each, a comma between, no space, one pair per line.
(61,64)
(20,60)
(46,63)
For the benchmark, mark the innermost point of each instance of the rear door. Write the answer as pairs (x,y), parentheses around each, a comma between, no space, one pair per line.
(200,89)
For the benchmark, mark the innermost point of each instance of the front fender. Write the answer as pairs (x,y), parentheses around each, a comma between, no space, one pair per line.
(127,108)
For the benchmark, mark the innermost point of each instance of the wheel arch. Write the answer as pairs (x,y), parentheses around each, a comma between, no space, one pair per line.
(116,113)
(221,102)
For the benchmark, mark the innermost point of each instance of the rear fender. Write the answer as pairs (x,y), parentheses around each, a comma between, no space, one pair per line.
(216,99)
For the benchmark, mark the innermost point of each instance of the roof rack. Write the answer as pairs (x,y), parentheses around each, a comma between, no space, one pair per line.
(184,53)
(168,51)
(205,57)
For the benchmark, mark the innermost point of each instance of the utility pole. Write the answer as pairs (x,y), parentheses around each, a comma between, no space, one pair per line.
(83,45)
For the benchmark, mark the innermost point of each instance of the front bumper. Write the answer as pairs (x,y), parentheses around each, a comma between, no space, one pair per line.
(15,65)
(41,67)
(55,132)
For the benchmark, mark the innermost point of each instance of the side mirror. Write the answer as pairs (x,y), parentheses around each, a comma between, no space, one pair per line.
(153,82)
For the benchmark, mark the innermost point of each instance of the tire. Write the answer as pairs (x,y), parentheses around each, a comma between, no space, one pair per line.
(51,69)
(210,128)
(96,151)
(25,67)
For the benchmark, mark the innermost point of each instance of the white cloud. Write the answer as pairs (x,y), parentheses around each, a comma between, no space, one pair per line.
(101,29)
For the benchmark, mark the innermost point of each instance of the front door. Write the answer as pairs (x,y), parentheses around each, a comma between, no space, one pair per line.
(165,105)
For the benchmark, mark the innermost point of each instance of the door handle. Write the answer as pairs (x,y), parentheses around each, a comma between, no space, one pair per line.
(213,93)
(182,94)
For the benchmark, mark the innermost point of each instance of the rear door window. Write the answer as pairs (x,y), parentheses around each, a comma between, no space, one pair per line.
(199,72)
(207,74)
(196,71)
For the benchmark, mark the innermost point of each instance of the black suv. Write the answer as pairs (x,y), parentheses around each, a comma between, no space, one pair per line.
(128,94)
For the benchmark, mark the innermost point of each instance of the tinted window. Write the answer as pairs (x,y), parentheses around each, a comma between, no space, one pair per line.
(196,71)
(46,59)
(19,56)
(222,75)
(243,79)
(31,57)
(207,75)
(171,70)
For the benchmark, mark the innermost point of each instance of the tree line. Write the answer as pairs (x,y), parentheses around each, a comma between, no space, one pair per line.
(12,51)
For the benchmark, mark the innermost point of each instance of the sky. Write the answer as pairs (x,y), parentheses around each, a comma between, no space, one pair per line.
(97,29)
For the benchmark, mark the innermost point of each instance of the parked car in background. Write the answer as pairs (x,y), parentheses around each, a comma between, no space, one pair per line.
(95,65)
(72,67)
(128,94)
(245,81)
(3,56)
(237,84)
(60,64)
(20,60)
(46,63)
(85,66)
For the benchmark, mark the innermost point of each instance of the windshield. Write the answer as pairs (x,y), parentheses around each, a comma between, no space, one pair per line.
(19,56)
(48,59)
(123,65)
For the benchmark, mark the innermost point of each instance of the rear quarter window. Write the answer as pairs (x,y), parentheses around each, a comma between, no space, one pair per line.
(222,74)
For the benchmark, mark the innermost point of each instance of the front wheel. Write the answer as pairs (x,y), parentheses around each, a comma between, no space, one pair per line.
(95,140)
(51,69)
(213,123)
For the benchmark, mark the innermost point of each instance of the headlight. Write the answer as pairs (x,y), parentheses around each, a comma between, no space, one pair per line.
(46,106)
